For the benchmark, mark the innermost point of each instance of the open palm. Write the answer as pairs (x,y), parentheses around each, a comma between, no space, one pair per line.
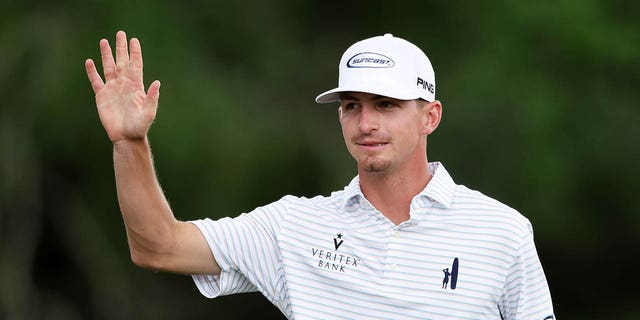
(125,110)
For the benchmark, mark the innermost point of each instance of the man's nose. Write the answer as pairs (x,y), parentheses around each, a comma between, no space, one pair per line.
(368,119)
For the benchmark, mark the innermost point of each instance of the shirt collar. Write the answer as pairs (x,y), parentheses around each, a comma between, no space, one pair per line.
(352,193)
(440,189)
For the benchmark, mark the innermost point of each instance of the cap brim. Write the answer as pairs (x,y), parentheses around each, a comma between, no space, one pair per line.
(332,95)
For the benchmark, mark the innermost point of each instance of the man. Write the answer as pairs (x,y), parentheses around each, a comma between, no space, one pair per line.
(373,250)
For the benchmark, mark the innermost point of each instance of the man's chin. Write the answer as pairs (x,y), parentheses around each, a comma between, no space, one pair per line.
(375,166)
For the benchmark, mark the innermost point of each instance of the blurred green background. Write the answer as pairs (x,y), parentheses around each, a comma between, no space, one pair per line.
(540,111)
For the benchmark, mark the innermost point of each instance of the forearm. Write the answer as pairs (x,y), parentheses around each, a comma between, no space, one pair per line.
(146,212)
(156,239)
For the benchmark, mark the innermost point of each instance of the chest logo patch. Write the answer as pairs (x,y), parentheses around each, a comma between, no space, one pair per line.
(453,274)
(333,260)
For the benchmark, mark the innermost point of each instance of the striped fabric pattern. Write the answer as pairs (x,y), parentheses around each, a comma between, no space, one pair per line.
(337,257)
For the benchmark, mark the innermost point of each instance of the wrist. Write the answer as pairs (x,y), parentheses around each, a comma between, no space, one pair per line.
(126,144)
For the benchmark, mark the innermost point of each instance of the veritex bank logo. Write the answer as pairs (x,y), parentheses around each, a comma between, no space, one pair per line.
(334,260)
(370,60)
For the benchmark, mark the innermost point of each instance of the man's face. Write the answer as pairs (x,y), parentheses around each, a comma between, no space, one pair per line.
(383,134)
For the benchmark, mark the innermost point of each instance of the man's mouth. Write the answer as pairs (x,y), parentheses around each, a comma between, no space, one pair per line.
(372,144)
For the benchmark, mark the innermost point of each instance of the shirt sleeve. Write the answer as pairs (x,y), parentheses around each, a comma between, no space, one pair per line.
(526,293)
(246,250)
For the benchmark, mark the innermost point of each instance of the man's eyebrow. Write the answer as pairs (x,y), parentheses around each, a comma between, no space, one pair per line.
(344,96)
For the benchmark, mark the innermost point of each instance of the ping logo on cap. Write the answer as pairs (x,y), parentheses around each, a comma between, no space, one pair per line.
(426,85)
(370,60)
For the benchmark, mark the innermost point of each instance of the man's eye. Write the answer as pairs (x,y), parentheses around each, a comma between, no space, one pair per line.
(386,104)
(349,106)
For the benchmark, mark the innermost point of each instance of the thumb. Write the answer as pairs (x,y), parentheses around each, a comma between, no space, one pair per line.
(153,94)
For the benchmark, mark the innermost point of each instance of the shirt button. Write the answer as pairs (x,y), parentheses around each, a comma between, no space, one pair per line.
(394,267)
(396,233)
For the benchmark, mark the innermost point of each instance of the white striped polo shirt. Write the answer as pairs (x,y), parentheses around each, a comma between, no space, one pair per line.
(461,255)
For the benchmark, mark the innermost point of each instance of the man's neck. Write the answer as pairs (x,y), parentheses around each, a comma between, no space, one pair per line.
(391,193)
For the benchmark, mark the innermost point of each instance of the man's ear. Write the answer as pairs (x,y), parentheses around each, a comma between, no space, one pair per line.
(432,115)
(340,113)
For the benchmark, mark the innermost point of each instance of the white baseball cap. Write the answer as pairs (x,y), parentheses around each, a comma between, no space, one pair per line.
(386,66)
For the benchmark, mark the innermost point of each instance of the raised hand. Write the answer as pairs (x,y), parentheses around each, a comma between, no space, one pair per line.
(125,109)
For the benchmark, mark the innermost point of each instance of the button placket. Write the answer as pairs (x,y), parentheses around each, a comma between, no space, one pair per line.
(391,265)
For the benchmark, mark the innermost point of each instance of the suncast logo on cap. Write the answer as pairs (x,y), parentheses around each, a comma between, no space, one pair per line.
(370,60)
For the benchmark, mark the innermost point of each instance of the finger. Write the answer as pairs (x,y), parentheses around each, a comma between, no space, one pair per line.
(136,57)
(153,94)
(94,77)
(108,65)
(136,53)
(122,54)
